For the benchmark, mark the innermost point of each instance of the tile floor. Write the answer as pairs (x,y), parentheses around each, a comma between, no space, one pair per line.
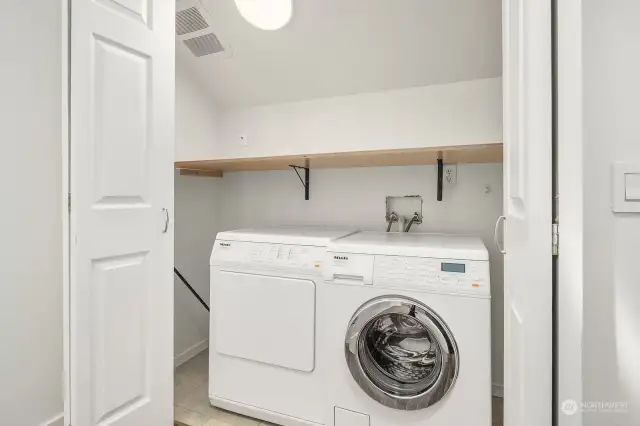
(192,402)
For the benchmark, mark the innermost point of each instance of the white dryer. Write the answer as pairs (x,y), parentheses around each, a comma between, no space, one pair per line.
(263,354)
(406,330)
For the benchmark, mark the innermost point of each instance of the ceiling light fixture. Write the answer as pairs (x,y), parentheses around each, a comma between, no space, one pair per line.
(266,14)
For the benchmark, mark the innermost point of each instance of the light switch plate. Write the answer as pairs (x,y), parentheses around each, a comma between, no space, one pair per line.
(626,187)
(632,186)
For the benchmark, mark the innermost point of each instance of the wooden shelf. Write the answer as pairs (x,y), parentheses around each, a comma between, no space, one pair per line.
(488,153)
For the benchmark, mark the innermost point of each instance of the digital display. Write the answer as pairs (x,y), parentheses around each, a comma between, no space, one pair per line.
(453,267)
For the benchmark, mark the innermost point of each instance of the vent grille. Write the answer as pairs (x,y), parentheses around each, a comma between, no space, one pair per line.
(189,21)
(204,45)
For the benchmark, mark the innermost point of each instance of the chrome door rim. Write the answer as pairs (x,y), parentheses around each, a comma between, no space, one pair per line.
(380,306)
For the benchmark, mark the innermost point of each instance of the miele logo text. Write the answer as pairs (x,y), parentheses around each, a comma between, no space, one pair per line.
(225,245)
(340,257)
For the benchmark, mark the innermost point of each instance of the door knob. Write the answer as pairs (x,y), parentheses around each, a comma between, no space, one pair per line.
(496,240)
(166,220)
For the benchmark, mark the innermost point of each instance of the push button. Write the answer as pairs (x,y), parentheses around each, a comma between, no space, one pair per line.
(478,284)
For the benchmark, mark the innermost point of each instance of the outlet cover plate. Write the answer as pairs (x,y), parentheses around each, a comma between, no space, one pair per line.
(450,174)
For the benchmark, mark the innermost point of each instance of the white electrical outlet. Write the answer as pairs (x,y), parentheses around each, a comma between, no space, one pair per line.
(450,174)
(244,140)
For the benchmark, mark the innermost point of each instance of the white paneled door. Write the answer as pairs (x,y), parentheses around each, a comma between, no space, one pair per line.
(121,237)
(527,77)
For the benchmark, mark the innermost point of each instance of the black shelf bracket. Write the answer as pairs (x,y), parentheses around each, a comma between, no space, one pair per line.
(440,178)
(304,182)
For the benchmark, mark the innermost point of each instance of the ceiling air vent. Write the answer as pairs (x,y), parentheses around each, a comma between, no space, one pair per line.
(204,45)
(194,29)
(190,20)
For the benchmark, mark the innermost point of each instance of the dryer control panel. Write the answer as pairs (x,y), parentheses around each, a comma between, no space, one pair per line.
(442,275)
(298,257)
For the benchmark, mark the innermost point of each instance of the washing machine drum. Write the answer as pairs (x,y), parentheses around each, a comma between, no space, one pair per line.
(401,353)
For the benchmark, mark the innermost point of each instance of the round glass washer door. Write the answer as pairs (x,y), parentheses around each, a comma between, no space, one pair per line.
(401,353)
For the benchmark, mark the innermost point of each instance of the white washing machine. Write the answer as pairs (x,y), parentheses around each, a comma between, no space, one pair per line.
(406,330)
(263,354)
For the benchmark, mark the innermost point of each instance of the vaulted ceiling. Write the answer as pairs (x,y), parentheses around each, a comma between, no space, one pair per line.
(341,47)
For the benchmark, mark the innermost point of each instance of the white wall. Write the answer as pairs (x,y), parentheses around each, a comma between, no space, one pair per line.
(463,113)
(611,132)
(196,118)
(356,198)
(599,291)
(196,224)
(31,359)
(195,215)
(570,270)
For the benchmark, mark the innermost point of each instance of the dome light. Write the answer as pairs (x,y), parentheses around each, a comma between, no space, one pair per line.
(266,14)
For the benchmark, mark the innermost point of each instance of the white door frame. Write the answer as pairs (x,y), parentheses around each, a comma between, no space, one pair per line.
(570,185)
(66,254)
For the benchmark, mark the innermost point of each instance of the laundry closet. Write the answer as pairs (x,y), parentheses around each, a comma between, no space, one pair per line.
(356,114)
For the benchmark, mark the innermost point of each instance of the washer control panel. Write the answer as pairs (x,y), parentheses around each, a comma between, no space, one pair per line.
(465,276)
(286,256)
(416,273)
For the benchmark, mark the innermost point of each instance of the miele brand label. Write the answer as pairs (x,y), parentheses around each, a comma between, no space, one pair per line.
(225,245)
(358,267)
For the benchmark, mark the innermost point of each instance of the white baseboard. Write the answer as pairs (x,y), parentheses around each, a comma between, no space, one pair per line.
(58,420)
(191,352)
(497,390)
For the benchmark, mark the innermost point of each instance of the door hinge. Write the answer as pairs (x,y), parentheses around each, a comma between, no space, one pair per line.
(555,238)
(69,202)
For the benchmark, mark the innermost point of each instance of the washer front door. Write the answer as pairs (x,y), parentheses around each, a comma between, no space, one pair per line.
(401,353)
